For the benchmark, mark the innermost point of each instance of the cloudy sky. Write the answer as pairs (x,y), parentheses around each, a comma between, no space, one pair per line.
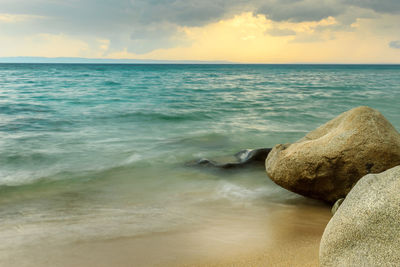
(254,31)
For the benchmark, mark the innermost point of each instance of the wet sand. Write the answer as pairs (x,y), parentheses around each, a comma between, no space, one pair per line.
(294,242)
(278,236)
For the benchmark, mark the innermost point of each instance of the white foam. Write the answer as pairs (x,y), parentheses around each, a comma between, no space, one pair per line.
(132,159)
(15,178)
(245,154)
(230,190)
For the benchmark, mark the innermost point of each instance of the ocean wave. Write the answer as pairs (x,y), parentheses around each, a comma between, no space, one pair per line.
(35,124)
(111,83)
(240,194)
(131,159)
(18,108)
(14,177)
(206,140)
(233,191)
(160,116)
(24,157)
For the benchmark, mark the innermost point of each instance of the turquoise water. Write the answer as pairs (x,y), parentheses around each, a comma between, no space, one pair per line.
(98,151)
(74,118)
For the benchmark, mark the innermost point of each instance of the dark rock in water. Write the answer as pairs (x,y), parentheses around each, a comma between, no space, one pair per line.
(204,162)
(243,158)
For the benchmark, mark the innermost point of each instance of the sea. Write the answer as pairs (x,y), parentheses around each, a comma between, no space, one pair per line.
(93,154)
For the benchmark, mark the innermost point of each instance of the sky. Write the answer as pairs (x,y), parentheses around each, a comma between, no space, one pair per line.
(254,31)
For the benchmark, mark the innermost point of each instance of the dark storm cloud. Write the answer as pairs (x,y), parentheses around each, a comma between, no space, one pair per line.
(144,25)
(140,25)
(380,6)
(314,10)
(184,12)
(181,12)
(300,10)
(187,12)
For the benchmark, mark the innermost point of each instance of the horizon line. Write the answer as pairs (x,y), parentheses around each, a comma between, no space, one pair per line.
(127,61)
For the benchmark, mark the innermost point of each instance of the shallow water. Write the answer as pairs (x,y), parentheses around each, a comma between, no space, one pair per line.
(92,153)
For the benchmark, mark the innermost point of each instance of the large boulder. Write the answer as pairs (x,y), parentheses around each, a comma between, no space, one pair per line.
(328,161)
(365,230)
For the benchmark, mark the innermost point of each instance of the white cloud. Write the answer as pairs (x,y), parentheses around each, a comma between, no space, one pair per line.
(43,45)
(15,18)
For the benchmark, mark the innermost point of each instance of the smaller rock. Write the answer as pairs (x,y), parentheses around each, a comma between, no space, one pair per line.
(365,230)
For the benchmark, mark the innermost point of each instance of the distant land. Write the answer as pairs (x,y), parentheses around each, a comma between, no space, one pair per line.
(72,60)
(81,60)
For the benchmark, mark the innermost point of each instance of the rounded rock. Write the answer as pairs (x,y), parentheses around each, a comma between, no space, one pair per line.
(365,230)
(328,161)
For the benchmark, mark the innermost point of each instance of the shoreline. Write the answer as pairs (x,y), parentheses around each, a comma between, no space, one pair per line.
(285,236)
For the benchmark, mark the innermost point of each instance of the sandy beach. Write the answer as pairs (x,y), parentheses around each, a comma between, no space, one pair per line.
(295,243)
(287,237)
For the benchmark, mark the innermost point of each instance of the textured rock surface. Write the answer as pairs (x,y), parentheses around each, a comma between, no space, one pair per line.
(365,230)
(328,161)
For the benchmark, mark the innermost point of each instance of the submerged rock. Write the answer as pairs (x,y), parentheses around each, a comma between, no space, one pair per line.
(328,161)
(365,231)
(241,159)
(253,155)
